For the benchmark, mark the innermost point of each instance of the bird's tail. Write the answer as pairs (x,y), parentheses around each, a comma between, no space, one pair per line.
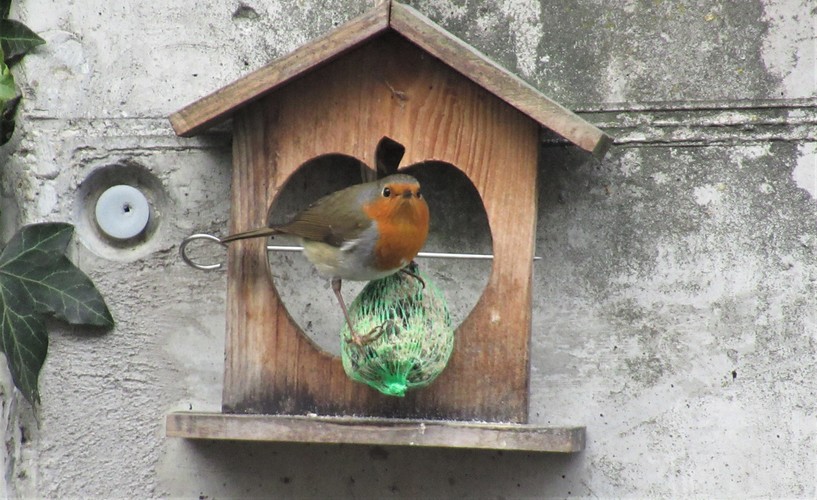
(256,233)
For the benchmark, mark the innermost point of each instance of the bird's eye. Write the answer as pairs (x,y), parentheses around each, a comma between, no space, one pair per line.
(418,194)
(386,192)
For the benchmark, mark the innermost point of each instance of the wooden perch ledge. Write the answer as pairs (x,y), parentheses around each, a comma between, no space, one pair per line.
(375,431)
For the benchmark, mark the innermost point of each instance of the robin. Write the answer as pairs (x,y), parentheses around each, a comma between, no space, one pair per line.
(361,233)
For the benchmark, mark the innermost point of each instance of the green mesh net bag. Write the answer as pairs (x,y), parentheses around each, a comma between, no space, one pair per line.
(416,337)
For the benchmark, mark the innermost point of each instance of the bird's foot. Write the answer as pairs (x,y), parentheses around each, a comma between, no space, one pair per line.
(374,334)
(413,271)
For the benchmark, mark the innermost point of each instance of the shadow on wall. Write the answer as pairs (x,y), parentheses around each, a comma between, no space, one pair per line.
(291,470)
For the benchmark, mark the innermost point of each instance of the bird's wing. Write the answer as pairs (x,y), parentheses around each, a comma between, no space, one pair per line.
(330,220)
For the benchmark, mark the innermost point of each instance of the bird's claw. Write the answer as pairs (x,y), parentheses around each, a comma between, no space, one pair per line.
(413,270)
(364,340)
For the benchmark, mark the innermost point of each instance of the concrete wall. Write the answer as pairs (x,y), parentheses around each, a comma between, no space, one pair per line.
(675,312)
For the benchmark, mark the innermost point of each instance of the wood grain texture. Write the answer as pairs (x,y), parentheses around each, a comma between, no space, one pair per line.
(372,431)
(219,105)
(385,87)
(486,73)
(420,30)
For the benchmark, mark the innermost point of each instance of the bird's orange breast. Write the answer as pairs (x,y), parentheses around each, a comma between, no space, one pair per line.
(402,225)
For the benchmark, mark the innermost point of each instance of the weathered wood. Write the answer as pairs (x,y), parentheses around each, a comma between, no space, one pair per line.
(371,431)
(385,17)
(387,87)
(219,105)
(485,72)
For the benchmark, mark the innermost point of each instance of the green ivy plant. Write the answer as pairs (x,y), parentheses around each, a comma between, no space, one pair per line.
(37,281)
(16,39)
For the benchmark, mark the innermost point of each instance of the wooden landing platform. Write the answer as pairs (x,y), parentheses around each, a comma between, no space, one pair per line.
(375,431)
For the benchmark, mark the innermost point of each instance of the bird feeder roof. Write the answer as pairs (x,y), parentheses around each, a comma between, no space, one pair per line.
(391,16)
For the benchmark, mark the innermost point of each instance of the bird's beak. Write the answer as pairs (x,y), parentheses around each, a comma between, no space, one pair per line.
(407,194)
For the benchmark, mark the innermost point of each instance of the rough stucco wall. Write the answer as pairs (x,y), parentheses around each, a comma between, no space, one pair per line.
(675,313)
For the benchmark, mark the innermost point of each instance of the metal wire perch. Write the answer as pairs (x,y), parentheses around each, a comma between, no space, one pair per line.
(286,248)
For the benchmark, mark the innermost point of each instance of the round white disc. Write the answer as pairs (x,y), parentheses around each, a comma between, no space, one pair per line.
(122,212)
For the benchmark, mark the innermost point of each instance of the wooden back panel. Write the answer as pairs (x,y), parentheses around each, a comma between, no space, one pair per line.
(386,87)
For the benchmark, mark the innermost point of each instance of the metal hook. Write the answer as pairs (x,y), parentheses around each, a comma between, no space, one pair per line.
(187,260)
(276,248)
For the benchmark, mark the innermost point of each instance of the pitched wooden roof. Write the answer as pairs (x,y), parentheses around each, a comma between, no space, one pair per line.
(392,16)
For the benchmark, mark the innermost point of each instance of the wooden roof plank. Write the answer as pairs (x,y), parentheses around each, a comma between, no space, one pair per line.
(217,106)
(421,31)
(484,72)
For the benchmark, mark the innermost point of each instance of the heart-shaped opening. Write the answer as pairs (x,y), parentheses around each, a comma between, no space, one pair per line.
(459,225)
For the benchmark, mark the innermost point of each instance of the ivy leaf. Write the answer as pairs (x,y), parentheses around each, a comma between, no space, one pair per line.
(37,280)
(7,119)
(7,88)
(8,101)
(16,39)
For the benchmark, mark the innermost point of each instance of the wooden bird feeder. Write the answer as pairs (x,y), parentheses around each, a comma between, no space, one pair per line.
(389,72)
